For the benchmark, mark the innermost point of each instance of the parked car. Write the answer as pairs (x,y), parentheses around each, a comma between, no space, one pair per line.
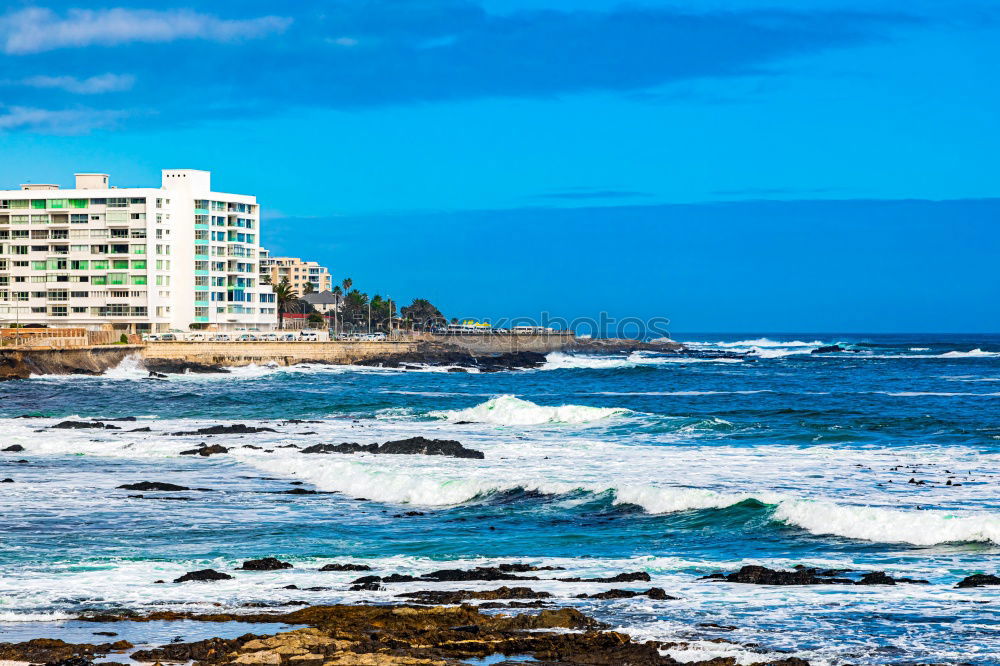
(168,337)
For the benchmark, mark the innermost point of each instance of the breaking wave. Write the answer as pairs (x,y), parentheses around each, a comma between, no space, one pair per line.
(819,517)
(512,411)
(974,353)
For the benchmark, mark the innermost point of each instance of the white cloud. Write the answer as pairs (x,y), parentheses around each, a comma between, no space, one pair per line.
(37,29)
(48,121)
(93,85)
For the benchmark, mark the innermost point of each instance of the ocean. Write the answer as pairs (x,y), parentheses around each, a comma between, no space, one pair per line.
(885,458)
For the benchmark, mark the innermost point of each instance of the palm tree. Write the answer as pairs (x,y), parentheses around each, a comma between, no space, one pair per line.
(265,278)
(337,291)
(284,294)
(347,283)
(308,289)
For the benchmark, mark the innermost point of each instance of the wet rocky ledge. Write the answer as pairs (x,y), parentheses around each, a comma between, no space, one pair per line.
(381,635)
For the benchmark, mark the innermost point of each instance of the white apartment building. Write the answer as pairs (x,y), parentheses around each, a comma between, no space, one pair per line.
(298,272)
(138,259)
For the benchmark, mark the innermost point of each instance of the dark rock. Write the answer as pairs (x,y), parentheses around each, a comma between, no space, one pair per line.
(411,446)
(235,429)
(828,349)
(205,451)
(153,485)
(659,594)
(299,491)
(173,367)
(479,573)
(458,596)
(161,497)
(758,575)
(653,593)
(345,567)
(120,418)
(80,425)
(144,429)
(203,575)
(880,578)
(620,578)
(54,651)
(979,580)
(7,481)
(265,564)
(14,448)
(430,447)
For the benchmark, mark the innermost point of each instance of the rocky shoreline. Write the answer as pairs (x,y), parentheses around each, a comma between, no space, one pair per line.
(379,635)
(431,627)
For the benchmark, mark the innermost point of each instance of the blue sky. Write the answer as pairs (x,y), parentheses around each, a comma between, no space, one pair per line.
(589,144)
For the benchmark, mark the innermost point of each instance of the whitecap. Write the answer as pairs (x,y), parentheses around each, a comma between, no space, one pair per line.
(510,410)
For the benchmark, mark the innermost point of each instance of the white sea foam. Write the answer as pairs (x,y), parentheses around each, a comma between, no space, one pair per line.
(939,394)
(975,353)
(824,490)
(758,342)
(512,411)
(564,361)
(922,528)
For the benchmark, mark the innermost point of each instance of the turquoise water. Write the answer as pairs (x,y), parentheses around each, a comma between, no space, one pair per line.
(599,464)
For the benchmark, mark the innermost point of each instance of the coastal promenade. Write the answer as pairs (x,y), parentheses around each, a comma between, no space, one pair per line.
(234,354)
(22,361)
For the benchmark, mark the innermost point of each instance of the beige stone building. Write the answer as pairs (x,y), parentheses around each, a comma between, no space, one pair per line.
(298,272)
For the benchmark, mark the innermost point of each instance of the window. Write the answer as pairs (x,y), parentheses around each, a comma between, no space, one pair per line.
(99,264)
(38,204)
(139,264)
(120,264)
(117,279)
(57,203)
(137,200)
(77,203)
(117,203)
(80,265)
(137,216)
(138,279)
(138,249)
(80,294)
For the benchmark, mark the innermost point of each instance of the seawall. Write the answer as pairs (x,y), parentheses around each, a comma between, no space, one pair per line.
(282,353)
(22,363)
(501,344)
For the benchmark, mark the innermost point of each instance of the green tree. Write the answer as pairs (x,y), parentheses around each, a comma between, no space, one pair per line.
(347,284)
(422,315)
(355,308)
(308,289)
(284,295)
